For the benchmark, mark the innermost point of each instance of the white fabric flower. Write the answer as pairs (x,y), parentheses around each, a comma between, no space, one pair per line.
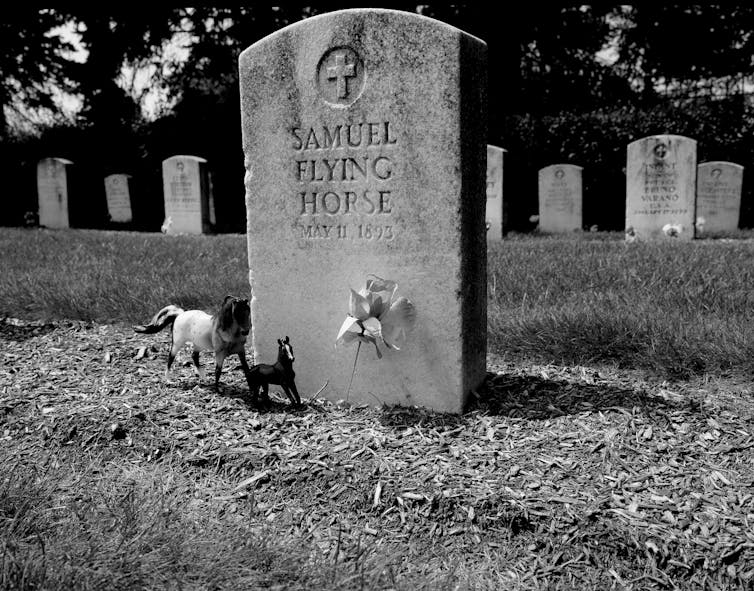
(373,315)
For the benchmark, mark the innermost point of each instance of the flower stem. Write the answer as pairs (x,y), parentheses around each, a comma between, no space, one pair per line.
(355,359)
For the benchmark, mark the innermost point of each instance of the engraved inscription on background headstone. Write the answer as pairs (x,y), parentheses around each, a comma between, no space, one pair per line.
(661,187)
(52,189)
(560,198)
(718,196)
(348,177)
(494,213)
(118,194)
(186,190)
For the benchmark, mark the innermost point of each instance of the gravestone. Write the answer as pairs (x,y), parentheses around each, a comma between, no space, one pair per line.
(560,198)
(187,195)
(53,183)
(118,194)
(364,138)
(661,188)
(718,196)
(494,213)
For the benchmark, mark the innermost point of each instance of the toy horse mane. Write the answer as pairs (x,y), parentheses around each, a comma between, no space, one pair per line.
(234,312)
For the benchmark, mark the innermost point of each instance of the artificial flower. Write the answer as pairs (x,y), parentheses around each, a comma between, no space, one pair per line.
(672,230)
(374,316)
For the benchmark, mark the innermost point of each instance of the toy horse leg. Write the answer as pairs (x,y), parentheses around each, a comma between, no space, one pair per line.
(292,393)
(199,369)
(219,360)
(177,340)
(174,348)
(295,392)
(247,373)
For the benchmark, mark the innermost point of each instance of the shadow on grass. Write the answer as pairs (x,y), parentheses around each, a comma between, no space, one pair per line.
(18,332)
(537,398)
(403,417)
(267,407)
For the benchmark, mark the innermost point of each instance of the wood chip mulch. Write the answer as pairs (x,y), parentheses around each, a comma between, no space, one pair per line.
(578,473)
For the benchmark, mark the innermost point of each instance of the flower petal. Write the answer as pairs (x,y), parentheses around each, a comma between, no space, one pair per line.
(348,337)
(377,307)
(358,306)
(350,326)
(397,322)
(384,287)
(372,327)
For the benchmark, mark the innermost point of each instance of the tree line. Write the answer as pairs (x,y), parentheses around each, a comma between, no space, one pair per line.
(565,84)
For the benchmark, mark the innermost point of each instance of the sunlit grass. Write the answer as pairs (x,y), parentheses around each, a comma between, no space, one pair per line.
(116,276)
(679,308)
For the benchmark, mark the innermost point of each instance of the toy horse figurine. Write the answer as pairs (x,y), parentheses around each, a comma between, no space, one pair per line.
(224,333)
(280,373)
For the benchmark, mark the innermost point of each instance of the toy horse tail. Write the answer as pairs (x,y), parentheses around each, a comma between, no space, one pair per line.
(160,320)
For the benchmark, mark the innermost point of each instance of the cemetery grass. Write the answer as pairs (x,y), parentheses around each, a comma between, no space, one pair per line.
(569,470)
(678,310)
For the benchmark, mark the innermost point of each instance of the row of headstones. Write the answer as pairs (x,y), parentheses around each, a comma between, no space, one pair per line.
(667,194)
(659,192)
(187,189)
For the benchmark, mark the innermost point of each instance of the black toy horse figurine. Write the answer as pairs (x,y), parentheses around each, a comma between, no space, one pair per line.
(281,373)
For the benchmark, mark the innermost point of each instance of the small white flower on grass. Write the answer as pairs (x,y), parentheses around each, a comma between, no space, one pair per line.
(630,234)
(165,228)
(594,228)
(672,230)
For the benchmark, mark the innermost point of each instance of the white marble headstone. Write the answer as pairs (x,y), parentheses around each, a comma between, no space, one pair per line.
(718,196)
(661,188)
(186,189)
(494,213)
(364,134)
(118,194)
(52,189)
(560,198)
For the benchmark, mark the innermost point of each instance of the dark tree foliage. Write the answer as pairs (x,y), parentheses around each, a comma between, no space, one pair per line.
(30,60)
(685,44)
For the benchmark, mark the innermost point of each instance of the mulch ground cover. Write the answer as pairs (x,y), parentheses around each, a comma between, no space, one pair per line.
(555,477)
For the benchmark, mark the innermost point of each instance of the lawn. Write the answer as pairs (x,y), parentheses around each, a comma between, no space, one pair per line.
(611,446)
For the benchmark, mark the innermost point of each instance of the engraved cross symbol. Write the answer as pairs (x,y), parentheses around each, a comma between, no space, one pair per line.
(661,150)
(341,72)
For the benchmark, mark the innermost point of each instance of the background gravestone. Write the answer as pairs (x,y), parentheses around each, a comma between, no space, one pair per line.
(718,196)
(118,195)
(53,183)
(560,198)
(187,188)
(661,187)
(364,136)
(494,212)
